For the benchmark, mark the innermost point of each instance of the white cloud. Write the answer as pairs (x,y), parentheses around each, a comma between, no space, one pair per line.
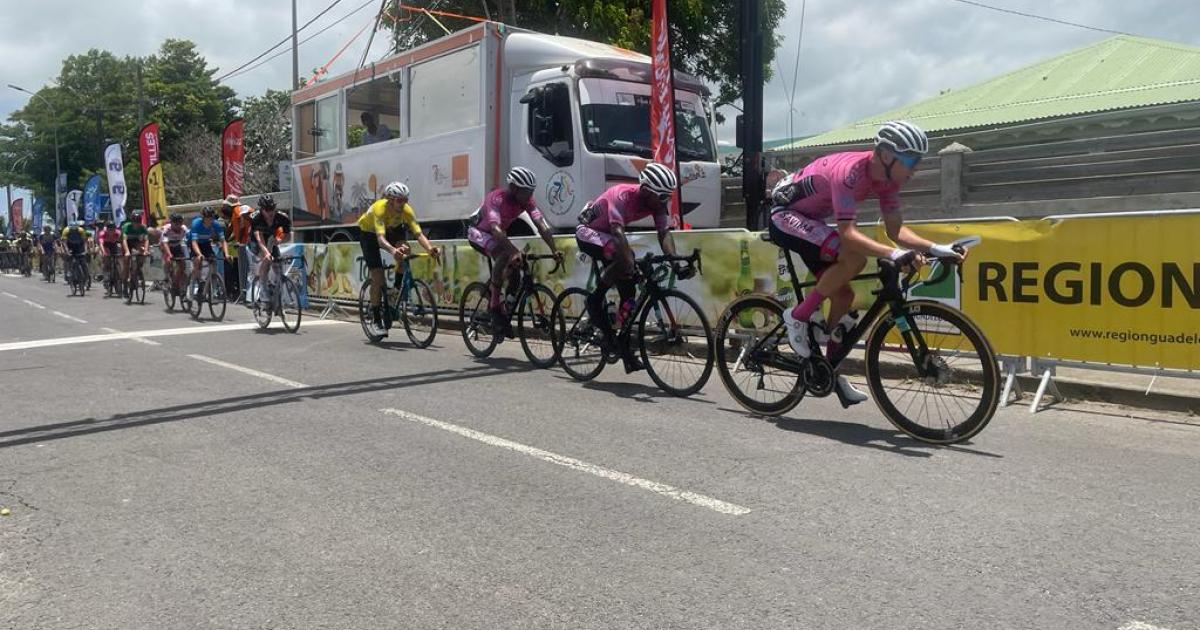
(858,58)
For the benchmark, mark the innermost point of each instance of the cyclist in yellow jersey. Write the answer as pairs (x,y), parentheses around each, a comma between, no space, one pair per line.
(375,225)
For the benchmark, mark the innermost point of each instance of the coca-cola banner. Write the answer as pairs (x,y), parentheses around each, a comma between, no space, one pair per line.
(15,214)
(662,97)
(149,153)
(233,158)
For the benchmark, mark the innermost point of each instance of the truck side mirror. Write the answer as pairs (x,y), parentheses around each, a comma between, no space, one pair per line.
(530,96)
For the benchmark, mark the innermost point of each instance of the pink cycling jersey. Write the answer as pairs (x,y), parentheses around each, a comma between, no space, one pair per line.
(622,205)
(836,183)
(500,208)
(109,235)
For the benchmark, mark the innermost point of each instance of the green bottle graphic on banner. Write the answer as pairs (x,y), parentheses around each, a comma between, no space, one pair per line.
(745,284)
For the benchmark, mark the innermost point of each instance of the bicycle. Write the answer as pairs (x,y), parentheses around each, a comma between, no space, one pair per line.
(282,297)
(49,268)
(76,273)
(110,269)
(532,304)
(913,349)
(135,281)
(673,337)
(171,289)
(406,299)
(26,264)
(209,289)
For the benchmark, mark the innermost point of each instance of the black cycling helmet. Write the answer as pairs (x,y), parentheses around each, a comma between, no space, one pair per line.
(176,217)
(208,213)
(266,202)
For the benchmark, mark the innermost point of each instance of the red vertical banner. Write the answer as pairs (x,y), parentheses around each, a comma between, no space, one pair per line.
(149,153)
(233,158)
(15,213)
(662,98)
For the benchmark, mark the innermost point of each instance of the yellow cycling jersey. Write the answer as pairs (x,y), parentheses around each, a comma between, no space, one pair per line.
(75,235)
(379,219)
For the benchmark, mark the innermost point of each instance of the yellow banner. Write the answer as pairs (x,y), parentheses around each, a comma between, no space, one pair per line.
(156,192)
(1122,290)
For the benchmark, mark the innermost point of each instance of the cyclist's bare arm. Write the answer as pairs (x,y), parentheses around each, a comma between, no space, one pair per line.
(543,229)
(859,243)
(624,251)
(898,232)
(429,247)
(667,242)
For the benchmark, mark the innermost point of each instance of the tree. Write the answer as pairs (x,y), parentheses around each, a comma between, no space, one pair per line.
(195,173)
(183,94)
(704,32)
(268,139)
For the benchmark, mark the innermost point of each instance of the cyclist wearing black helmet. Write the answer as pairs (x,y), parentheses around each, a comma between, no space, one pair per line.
(268,228)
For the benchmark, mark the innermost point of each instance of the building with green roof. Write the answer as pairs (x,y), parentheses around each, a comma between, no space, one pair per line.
(1117,75)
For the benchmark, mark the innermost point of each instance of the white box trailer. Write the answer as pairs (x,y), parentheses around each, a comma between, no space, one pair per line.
(452,116)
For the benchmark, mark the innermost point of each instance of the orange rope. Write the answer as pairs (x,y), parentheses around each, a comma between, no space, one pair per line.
(443,13)
(325,68)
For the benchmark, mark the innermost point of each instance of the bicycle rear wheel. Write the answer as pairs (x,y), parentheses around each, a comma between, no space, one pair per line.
(168,291)
(750,340)
(475,320)
(195,302)
(535,315)
(676,343)
(289,305)
(577,341)
(216,297)
(420,315)
(933,373)
(139,288)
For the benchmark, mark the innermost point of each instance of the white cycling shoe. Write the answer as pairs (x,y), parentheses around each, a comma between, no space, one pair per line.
(797,334)
(847,394)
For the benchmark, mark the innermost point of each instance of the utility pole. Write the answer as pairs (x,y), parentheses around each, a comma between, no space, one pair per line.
(750,46)
(295,52)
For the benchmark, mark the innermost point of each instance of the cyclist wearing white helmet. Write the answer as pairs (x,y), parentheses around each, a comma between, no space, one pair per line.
(383,224)
(601,235)
(834,185)
(488,234)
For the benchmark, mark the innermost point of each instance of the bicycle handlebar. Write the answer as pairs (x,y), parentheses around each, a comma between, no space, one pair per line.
(537,257)
(694,260)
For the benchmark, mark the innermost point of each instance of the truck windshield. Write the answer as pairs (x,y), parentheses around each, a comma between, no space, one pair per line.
(616,119)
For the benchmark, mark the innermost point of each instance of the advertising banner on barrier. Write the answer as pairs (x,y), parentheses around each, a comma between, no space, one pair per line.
(115,169)
(1123,290)
(15,216)
(155,193)
(91,200)
(233,157)
(148,153)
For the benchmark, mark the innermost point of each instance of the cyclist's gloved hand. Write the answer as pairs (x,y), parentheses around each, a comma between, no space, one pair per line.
(906,258)
(944,251)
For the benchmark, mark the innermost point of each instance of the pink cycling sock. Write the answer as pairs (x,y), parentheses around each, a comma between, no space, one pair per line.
(811,303)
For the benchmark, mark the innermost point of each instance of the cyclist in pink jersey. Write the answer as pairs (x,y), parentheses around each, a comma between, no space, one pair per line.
(601,235)
(834,185)
(489,234)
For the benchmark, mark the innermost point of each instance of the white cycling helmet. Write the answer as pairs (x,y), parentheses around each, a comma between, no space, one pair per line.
(658,179)
(903,137)
(522,177)
(395,190)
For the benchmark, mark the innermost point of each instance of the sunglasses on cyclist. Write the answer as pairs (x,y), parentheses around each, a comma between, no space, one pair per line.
(909,160)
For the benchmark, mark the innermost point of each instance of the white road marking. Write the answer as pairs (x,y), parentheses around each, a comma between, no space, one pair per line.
(11,295)
(167,332)
(137,339)
(569,462)
(245,370)
(33,304)
(70,317)
(1139,625)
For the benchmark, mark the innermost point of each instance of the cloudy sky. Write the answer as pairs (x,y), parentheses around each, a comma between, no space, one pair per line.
(858,57)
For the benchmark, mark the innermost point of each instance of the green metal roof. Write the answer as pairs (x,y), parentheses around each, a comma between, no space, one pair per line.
(1116,73)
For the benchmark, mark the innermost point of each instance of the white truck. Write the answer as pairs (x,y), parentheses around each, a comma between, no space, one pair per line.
(449,118)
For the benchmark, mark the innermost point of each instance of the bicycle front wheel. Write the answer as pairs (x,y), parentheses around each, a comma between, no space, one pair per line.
(289,305)
(195,303)
(751,345)
(139,288)
(168,292)
(263,304)
(365,318)
(216,297)
(676,343)
(933,373)
(475,319)
(577,341)
(535,316)
(420,315)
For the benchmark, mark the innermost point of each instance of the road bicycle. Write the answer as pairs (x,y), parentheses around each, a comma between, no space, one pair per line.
(405,299)
(208,289)
(76,272)
(110,270)
(666,327)
(931,370)
(530,302)
(172,290)
(49,267)
(280,297)
(135,281)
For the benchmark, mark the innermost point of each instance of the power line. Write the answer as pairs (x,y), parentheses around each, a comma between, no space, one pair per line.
(282,41)
(258,65)
(1041,17)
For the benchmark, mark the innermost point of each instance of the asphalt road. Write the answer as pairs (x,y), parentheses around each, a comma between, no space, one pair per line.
(232,478)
